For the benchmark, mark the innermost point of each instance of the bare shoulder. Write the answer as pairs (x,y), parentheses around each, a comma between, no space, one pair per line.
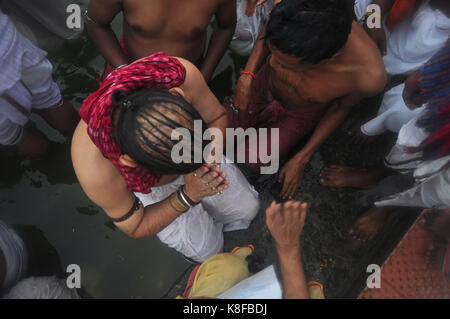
(371,74)
(99,178)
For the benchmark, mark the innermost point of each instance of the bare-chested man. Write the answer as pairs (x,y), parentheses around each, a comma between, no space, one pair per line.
(321,64)
(175,27)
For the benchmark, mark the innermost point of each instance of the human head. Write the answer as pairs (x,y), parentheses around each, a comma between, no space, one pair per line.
(312,30)
(143,124)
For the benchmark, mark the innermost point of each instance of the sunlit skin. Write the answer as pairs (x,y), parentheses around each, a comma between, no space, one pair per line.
(175,27)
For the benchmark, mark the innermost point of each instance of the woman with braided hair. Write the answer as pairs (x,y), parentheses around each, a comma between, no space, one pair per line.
(121,152)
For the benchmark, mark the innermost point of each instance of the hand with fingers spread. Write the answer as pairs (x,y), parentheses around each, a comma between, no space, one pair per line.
(291,176)
(207,181)
(286,222)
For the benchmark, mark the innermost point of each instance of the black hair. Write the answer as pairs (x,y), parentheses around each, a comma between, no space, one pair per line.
(143,126)
(313,30)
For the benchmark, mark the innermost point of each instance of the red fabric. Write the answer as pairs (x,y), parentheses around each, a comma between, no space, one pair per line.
(157,70)
(293,124)
(400,10)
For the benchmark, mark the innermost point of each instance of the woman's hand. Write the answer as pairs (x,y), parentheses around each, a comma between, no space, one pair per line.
(207,181)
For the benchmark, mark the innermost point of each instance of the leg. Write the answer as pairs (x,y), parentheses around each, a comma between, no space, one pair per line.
(343,176)
(368,224)
(439,226)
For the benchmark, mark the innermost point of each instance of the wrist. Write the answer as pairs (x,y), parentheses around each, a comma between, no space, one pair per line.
(288,251)
(188,192)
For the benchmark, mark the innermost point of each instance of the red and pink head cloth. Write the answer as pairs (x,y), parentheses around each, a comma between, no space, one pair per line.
(155,71)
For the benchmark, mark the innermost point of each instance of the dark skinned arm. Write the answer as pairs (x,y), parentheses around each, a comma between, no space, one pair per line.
(101,14)
(221,37)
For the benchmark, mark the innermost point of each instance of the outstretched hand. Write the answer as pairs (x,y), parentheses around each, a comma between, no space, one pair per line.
(285,223)
(291,176)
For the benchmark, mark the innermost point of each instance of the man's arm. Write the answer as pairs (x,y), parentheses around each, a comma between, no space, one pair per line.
(99,16)
(221,37)
(285,222)
(378,34)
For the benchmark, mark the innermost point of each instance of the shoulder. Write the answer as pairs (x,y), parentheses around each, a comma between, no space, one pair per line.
(99,178)
(371,75)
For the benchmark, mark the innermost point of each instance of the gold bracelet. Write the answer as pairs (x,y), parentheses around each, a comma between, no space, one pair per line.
(177,204)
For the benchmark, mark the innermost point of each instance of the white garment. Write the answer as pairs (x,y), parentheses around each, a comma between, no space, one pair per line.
(41,288)
(392,115)
(197,234)
(25,82)
(263,285)
(15,253)
(248,28)
(409,46)
(432,176)
(415,40)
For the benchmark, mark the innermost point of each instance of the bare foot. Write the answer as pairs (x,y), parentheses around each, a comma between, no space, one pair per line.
(344,176)
(368,224)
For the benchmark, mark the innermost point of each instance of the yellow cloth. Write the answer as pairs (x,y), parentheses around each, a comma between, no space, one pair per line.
(221,272)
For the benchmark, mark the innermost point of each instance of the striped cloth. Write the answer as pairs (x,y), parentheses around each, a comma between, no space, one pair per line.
(157,70)
(435,84)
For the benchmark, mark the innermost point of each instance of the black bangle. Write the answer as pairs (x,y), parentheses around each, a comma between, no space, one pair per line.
(136,206)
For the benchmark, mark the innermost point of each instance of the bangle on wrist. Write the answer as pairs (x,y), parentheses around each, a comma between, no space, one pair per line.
(249,73)
(177,203)
(187,198)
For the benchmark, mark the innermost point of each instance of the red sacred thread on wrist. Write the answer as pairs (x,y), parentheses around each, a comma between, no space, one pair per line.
(249,73)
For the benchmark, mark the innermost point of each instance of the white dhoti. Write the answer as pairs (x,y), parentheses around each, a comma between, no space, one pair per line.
(409,46)
(16,256)
(26,82)
(198,233)
(433,176)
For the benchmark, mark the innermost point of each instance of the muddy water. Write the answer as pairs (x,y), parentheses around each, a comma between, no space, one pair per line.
(45,193)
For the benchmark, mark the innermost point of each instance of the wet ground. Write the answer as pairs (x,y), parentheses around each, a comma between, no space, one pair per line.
(44,193)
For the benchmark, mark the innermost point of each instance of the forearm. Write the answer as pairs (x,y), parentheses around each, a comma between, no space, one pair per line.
(334,116)
(259,54)
(107,44)
(218,45)
(294,280)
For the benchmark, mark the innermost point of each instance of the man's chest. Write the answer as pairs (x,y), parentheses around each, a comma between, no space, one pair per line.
(309,89)
(169,18)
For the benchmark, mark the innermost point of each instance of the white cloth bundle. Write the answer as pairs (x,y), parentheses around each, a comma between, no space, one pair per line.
(16,255)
